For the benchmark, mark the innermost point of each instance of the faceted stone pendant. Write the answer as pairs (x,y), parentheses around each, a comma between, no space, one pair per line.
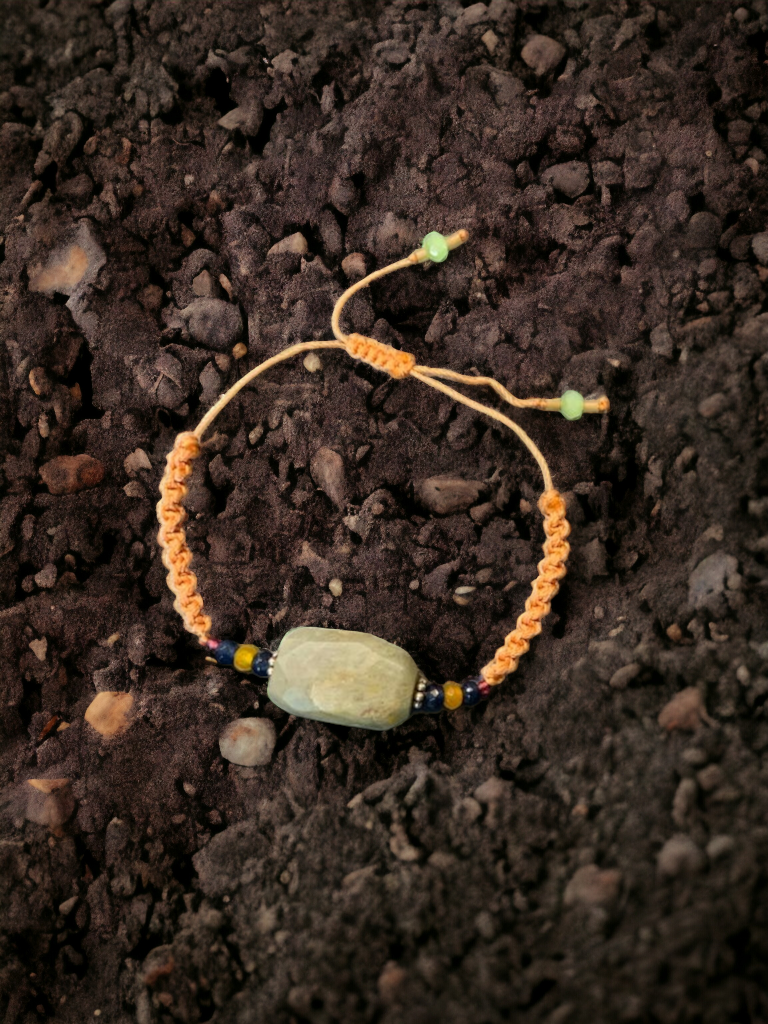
(343,677)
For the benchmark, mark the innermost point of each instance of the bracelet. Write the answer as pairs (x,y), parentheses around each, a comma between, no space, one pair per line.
(346,677)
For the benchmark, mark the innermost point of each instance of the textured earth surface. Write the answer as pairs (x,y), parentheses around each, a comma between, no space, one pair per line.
(591,843)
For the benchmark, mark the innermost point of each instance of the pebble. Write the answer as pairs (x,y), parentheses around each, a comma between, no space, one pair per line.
(491,791)
(67,474)
(472,15)
(138,459)
(684,801)
(720,846)
(571,178)
(661,341)
(295,243)
(708,580)
(46,578)
(354,265)
(50,802)
(39,648)
(621,679)
(760,247)
(593,887)
(68,905)
(336,587)
(214,323)
(490,40)
(205,285)
(680,856)
(446,495)
(542,54)
(327,470)
(710,777)
(108,713)
(703,231)
(248,741)
(312,362)
(246,118)
(685,711)
(713,405)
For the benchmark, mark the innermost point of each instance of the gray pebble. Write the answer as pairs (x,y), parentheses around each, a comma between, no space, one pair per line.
(446,495)
(327,469)
(248,741)
(661,341)
(707,581)
(542,54)
(703,231)
(621,679)
(760,247)
(720,846)
(571,178)
(680,856)
(214,323)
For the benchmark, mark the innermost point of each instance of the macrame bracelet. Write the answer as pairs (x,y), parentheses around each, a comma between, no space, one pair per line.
(342,676)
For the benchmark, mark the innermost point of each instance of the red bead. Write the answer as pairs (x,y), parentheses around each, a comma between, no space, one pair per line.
(484,688)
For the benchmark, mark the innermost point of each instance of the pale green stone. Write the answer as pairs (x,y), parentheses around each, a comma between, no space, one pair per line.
(343,677)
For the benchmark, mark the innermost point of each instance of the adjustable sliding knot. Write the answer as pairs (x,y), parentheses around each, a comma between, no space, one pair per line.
(394,362)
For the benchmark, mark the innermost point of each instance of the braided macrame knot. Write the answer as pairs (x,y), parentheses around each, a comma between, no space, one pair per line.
(543,589)
(394,362)
(177,557)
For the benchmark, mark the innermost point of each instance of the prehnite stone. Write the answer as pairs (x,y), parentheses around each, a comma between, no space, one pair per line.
(436,246)
(572,405)
(343,677)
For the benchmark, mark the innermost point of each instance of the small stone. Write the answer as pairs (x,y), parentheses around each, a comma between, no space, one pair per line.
(760,247)
(246,119)
(248,741)
(312,362)
(684,801)
(327,470)
(593,887)
(661,341)
(39,648)
(68,905)
(214,323)
(680,856)
(46,578)
(336,587)
(703,231)
(446,495)
(391,980)
(67,474)
(571,178)
(714,405)
(133,489)
(108,713)
(685,711)
(491,791)
(50,802)
(343,677)
(354,266)
(674,633)
(472,15)
(621,679)
(490,40)
(189,789)
(239,350)
(708,580)
(720,846)
(137,460)
(205,285)
(39,381)
(710,778)
(542,54)
(295,243)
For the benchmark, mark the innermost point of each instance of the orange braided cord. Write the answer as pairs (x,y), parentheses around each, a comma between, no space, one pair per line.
(543,589)
(172,539)
(394,362)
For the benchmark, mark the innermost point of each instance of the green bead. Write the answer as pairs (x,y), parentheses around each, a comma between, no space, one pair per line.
(572,405)
(343,677)
(436,246)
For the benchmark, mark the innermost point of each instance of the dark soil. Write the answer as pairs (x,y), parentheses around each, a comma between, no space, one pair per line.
(510,862)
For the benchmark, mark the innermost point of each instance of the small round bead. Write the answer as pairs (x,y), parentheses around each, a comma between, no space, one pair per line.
(436,246)
(262,664)
(433,699)
(572,405)
(224,652)
(453,696)
(471,692)
(244,656)
(484,687)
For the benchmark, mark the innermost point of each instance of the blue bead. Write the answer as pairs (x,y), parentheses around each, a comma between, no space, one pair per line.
(472,693)
(225,652)
(260,666)
(433,699)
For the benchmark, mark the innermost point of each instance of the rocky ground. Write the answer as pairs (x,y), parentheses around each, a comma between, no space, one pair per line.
(185,189)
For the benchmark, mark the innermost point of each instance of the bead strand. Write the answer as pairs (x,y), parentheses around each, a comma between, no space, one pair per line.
(246,658)
(432,698)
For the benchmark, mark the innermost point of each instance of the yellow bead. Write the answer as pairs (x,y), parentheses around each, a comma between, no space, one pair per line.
(453,696)
(244,656)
